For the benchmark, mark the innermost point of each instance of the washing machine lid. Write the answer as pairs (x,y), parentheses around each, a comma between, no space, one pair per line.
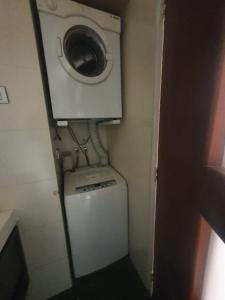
(83,50)
(91,179)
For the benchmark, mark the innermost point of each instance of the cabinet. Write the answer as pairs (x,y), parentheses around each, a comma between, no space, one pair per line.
(13,272)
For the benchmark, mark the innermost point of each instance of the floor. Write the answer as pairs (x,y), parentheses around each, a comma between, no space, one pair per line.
(117,282)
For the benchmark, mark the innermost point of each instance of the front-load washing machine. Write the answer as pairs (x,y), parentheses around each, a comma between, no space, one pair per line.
(97,218)
(82,55)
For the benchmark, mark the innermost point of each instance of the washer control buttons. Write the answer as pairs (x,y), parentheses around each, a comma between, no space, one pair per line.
(95,186)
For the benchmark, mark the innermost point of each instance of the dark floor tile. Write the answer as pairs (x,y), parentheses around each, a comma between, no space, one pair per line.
(119,281)
(67,295)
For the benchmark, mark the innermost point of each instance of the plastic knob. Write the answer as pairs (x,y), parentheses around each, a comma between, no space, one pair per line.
(51,4)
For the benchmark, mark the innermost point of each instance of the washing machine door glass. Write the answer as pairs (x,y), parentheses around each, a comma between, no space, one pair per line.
(85,51)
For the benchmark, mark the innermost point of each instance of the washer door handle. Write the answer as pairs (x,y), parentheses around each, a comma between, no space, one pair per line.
(59,47)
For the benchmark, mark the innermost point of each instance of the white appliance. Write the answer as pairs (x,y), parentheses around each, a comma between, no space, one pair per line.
(96,210)
(82,53)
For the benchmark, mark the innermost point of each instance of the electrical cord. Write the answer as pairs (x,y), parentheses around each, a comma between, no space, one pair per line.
(86,156)
(74,137)
(57,136)
(77,158)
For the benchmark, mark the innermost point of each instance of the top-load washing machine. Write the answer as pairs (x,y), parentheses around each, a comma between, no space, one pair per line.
(82,53)
(97,217)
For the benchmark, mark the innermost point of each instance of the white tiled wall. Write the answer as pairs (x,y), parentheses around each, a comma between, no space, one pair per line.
(131,144)
(27,173)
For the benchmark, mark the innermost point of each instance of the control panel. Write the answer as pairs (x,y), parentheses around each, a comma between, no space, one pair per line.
(95,186)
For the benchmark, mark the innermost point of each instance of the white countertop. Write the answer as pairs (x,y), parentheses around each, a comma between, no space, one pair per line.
(7,223)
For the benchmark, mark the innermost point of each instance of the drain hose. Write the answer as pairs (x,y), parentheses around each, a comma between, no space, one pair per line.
(95,139)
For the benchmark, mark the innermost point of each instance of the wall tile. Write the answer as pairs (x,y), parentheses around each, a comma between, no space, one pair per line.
(17,34)
(36,204)
(45,282)
(130,153)
(26,108)
(130,143)
(27,171)
(44,245)
(26,156)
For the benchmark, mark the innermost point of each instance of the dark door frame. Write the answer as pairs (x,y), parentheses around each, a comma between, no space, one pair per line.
(192,45)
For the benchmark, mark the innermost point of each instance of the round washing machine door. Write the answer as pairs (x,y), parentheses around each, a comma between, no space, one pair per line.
(84,52)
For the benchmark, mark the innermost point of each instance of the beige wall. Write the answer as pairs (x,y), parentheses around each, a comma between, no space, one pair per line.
(131,144)
(27,173)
